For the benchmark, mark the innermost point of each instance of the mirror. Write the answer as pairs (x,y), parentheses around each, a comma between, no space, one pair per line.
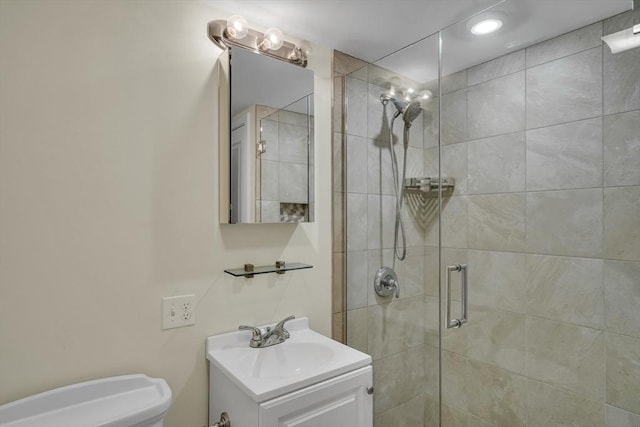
(270,143)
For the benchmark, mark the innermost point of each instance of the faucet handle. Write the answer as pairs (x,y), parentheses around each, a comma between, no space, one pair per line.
(256,333)
(280,325)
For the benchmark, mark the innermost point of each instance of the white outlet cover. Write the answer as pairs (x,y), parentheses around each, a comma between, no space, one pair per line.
(178,311)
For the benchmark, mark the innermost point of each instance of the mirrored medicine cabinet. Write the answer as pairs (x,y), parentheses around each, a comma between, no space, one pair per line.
(266,139)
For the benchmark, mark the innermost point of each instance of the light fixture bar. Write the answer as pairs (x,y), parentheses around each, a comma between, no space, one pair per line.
(288,52)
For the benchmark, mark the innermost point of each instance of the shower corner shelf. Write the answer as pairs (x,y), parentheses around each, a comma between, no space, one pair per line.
(429,184)
(280,267)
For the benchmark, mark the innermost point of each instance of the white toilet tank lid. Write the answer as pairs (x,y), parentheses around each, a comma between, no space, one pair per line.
(109,402)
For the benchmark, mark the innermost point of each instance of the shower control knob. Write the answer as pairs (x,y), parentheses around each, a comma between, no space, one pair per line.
(386,282)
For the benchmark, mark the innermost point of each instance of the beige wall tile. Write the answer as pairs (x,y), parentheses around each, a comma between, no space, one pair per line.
(454,222)
(496,337)
(454,81)
(357,336)
(431,324)
(357,168)
(497,106)
(498,67)
(454,165)
(357,279)
(623,372)
(622,223)
(565,222)
(431,369)
(496,164)
(550,406)
(398,379)
(454,417)
(414,412)
(616,417)
(454,117)
(497,222)
(337,282)
(381,213)
(567,356)
(565,289)
(412,280)
(565,90)
(356,92)
(622,149)
(622,297)
(565,156)
(566,44)
(388,380)
(499,280)
(356,223)
(395,327)
(496,395)
(431,260)
(454,380)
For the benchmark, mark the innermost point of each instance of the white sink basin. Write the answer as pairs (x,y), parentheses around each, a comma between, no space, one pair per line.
(264,373)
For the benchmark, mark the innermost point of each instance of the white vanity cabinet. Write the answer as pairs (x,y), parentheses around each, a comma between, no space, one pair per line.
(307,381)
(343,401)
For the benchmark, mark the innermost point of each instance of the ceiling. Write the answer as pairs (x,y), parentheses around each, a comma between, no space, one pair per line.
(372,29)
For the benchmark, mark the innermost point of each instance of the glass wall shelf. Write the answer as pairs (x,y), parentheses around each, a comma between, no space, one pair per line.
(280,267)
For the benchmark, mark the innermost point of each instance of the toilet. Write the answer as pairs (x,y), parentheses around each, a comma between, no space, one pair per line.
(122,401)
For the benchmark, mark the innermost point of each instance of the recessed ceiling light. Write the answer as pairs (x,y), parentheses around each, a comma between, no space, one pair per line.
(486,26)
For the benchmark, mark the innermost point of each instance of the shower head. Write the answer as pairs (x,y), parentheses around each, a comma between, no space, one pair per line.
(411,112)
(400,105)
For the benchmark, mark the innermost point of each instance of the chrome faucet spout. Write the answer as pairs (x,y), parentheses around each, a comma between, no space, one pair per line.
(270,337)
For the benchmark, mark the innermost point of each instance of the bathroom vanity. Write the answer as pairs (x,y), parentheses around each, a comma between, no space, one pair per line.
(308,380)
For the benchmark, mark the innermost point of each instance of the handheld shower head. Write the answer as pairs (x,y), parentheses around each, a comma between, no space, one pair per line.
(411,112)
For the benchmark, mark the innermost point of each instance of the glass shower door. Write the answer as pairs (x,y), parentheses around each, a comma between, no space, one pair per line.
(538,135)
(392,104)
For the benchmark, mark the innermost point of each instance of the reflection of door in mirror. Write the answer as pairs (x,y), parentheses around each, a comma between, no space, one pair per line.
(242,168)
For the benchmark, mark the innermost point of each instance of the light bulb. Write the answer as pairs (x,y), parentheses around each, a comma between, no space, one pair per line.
(410,90)
(486,26)
(237,27)
(273,39)
(427,94)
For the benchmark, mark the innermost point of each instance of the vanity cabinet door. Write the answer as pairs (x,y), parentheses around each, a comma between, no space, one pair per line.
(342,401)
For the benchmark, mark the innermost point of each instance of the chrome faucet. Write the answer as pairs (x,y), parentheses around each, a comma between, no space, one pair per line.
(268,337)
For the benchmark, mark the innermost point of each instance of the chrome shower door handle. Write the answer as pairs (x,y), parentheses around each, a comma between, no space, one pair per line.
(456,323)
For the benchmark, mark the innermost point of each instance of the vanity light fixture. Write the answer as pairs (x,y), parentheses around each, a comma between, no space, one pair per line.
(236,32)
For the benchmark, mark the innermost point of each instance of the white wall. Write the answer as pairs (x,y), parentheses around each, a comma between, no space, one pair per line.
(108,184)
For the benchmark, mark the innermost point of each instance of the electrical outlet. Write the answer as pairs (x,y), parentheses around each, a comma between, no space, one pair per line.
(178,311)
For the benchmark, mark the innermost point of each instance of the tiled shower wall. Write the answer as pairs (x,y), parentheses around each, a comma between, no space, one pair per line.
(544,144)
